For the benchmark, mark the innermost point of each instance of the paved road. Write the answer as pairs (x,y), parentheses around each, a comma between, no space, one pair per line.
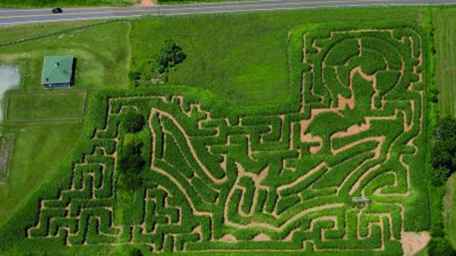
(25,16)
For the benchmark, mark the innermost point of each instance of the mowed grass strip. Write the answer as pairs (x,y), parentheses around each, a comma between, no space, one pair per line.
(445,35)
(45,106)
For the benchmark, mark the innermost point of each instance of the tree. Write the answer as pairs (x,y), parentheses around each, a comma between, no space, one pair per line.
(134,76)
(170,55)
(440,176)
(444,150)
(132,164)
(133,122)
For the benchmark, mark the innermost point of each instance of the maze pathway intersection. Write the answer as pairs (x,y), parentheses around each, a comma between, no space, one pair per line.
(264,181)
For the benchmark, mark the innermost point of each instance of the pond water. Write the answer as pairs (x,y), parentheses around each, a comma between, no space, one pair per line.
(9,78)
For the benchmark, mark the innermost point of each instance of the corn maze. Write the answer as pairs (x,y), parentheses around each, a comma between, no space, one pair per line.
(272,182)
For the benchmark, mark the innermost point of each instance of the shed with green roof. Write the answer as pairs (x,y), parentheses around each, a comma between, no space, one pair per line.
(57,71)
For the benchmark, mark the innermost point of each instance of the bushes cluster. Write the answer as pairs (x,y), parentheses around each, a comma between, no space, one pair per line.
(440,246)
(131,164)
(444,164)
(155,69)
(133,122)
(444,146)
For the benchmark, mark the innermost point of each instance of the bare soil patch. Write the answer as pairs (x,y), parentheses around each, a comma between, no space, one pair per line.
(147,3)
(413,242)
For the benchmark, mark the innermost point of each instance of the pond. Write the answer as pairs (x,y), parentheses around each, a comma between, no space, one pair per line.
(9,78)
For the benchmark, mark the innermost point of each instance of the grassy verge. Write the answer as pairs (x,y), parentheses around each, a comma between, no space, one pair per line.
(53,3)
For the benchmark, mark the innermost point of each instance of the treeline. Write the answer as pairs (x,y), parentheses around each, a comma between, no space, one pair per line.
(444,165)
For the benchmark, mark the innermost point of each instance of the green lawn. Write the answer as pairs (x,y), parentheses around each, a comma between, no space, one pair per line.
(32,165)
(45,106)
(21,32)
(101,52)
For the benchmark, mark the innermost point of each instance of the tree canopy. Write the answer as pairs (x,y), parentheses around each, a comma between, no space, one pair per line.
(444,151)
(132,165)
(133,122)
(171,54)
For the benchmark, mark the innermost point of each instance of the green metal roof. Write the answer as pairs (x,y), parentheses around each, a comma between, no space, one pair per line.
(57,70)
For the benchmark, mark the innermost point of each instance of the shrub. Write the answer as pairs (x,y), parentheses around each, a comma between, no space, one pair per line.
(133,122)
(131,165)
(170,55)
(440,176)
(444,147)
(136,252)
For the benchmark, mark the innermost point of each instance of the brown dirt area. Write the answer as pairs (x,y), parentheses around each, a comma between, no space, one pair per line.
(148,3)
(412,242)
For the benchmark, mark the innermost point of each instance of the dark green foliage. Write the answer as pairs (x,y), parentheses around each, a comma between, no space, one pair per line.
(440,176)
(136,252)
(444,147)
(171,55)
(131,165)
(440,247)
(434,95)
(133,122)
(135,77)
(155,69)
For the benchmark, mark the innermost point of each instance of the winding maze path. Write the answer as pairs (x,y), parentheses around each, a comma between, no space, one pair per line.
(268,181)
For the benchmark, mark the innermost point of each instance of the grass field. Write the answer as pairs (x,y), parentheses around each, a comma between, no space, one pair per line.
(45,106)
(33,165)
(444,20)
